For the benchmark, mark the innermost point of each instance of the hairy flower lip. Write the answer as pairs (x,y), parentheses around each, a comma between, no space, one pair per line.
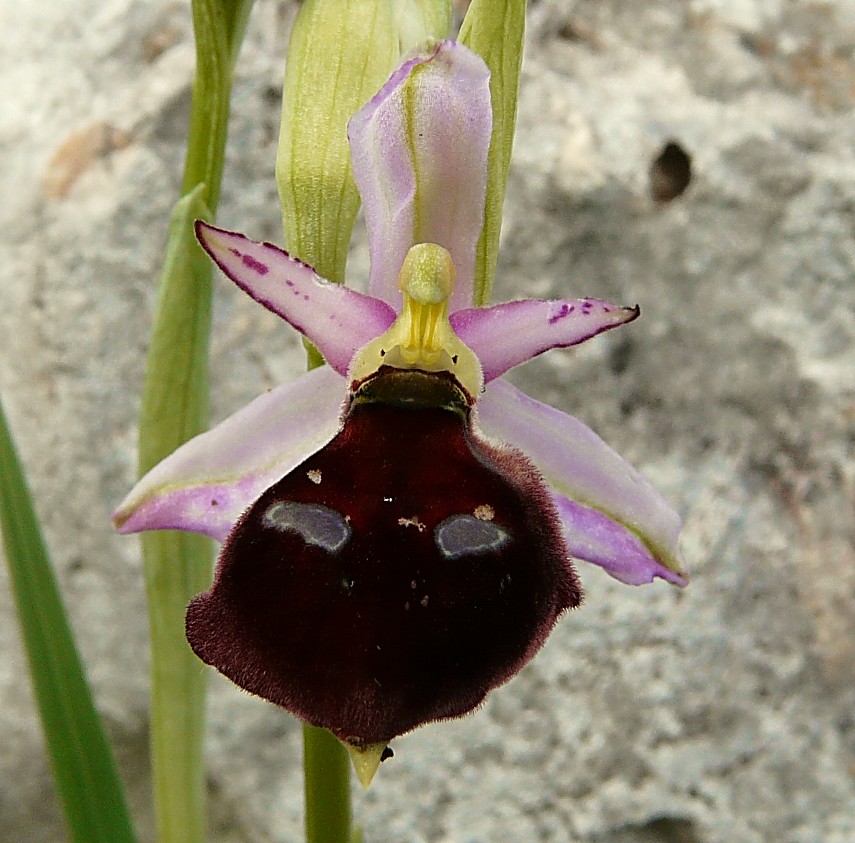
(438,554)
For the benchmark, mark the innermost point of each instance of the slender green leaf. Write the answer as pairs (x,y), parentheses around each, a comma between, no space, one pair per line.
(496,32)
(175,397)
(175,408)
(236,17)
(177,565)
(218,26)
(83,767)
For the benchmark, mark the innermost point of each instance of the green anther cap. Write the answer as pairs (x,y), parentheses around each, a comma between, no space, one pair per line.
(427,275)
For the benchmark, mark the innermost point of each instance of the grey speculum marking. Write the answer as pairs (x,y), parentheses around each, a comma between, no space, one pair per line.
(316,524)
(466,535)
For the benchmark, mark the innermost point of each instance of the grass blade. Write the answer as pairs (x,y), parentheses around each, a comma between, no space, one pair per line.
(85,772)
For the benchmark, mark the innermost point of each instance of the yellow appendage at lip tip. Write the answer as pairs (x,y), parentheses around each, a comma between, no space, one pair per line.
(365,759)
(422,337)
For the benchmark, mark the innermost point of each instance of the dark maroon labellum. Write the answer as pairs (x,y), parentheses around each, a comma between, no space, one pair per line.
(396,576)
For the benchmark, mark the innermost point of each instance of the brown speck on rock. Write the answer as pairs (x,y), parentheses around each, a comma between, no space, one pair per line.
(77,153)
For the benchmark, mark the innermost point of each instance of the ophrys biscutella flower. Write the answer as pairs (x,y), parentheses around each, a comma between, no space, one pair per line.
(399,526)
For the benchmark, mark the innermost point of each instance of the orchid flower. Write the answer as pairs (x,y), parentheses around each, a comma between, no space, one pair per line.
(400,526)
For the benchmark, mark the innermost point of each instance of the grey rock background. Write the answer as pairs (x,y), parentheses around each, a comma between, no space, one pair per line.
(725,712)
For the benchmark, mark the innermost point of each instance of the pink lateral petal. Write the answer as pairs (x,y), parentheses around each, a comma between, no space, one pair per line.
(577,464)
(595,538)
(206,485)
(335,318)
(505,335)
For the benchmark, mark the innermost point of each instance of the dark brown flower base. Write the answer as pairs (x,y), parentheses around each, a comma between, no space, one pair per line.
(395,577)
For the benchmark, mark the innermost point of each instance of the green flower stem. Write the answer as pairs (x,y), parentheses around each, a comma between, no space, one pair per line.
(85,773)
(327,782)
(174,409)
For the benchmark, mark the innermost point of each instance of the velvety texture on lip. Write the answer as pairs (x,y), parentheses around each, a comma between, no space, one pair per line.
(392,579)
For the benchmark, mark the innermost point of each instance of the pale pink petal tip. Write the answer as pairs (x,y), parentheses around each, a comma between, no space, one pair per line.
(208,482)
(505,335)
(596,538)
(335,318)
(579,466)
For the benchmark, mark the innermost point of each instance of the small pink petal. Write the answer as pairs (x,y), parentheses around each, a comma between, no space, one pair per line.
(419,152)
(578,465)
(206,485)
(505,335)
(336,319)
(594,537)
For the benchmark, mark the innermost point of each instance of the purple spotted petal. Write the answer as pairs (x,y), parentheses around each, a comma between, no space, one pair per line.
(596,538)
(207,483)
(419,153)
(578,465)
(505,335)
(336,319)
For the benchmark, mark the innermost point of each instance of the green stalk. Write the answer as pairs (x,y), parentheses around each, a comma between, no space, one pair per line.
(218,26)
(87,780)
(177,565)
(327,782)
(174,409)
(496,31)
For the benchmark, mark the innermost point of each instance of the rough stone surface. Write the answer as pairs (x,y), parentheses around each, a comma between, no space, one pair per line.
(725,712)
